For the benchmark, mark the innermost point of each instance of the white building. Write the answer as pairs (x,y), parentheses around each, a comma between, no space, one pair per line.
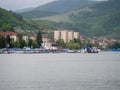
(26,38)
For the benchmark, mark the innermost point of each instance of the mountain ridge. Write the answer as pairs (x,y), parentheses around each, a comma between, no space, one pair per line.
(54,8)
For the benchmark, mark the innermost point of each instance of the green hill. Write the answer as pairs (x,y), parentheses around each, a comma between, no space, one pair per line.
(98,19)
(9,19)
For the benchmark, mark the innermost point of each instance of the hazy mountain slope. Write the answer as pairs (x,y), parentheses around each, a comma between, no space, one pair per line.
(65,17)
(24,10)
(37,14)
(8,20)
(54,8)
(61,6)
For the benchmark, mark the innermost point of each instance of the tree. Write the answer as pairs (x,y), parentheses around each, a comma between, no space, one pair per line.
(116,45)
(72,45)
(2,42)
(16,44)
(22,43)
(39,39)
(8,41)
(32,43)
(61,42)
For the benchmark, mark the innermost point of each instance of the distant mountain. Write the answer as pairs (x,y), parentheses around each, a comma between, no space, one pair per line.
(98,19)
(24,10)
(55,7)
(61,6)
(9,19)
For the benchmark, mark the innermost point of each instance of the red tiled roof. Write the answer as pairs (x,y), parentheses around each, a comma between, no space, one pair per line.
(7,33)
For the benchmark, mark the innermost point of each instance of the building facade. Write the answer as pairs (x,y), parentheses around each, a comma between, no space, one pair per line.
(56,35)
(70,36)
(66,35)
(12,35)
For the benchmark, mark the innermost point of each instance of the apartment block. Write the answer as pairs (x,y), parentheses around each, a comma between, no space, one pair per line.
(66,35)
(70,35)
(76,35)
(56,35)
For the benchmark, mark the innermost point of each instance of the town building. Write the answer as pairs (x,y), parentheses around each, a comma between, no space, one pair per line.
(46,41)
(63,35)
(70,36)
(33,37)
(76,35)
(66,35)
(57,35)
(12,35)
(26,38)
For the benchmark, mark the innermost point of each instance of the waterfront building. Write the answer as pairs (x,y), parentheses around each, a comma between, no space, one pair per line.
(26,38)
(76,35)
(33,37)
(70,35)
(12,35)
(66,35)
(57,35)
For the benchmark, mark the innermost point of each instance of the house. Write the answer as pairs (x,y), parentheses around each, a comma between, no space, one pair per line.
(33,37)
(46,41)
(26,38)
(12,35)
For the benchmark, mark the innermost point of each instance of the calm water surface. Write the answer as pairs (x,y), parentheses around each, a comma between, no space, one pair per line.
(60,71)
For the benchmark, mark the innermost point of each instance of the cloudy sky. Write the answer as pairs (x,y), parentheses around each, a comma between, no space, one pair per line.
(20,4)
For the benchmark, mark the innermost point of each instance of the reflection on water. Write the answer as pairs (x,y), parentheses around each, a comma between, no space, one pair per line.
(60,71)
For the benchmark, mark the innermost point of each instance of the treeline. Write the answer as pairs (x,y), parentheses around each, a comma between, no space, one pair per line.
(73,44)
(7,42)
(77,44)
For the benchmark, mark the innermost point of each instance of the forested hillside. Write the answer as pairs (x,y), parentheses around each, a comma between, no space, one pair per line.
(98,19)
(9,19)
(102,20)
(93,19)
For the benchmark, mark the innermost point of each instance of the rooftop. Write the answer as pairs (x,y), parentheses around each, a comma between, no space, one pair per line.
(7,33)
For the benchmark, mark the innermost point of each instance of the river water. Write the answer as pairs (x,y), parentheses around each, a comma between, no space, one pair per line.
(64,71)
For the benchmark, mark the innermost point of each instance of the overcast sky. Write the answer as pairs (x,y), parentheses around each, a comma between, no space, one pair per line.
(21,4)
